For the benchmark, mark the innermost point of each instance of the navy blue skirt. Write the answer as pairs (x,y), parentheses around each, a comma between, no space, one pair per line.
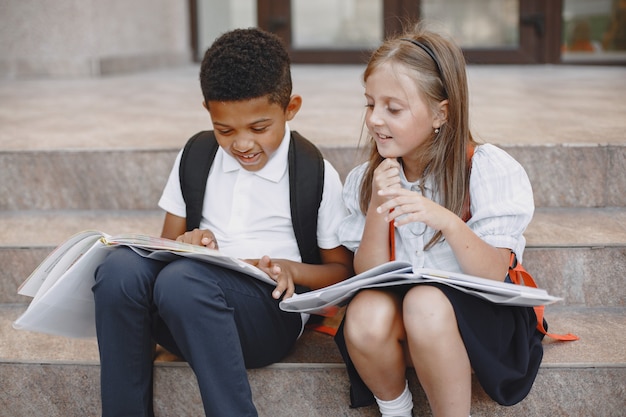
(502,342)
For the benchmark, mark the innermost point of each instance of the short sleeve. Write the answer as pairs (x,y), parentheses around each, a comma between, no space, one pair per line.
(501,198)
(351,228)
(172,197)
(332,210)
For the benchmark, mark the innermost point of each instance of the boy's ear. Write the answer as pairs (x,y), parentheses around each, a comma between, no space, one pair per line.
(206,106)
(295,102)
(441,115)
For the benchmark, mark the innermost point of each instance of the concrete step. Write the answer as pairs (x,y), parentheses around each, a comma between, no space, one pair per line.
(109,143)
(574,253)
(509,105)
(577,254)
(56,376)
(95,153)
(133,179)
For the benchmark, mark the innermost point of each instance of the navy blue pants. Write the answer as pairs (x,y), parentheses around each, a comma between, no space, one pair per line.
(221,322)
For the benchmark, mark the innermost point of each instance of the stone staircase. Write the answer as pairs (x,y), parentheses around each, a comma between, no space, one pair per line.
(94,154)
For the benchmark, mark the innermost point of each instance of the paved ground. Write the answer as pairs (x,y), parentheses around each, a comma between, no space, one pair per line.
(161,109)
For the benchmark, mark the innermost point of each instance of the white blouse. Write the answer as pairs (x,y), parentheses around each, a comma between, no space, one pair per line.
(501,204)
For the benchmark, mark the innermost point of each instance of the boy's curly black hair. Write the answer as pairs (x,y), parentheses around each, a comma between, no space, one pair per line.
(244,64)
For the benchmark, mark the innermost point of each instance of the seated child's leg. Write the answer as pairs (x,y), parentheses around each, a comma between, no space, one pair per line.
(223,322)
(373,332)
(123,299)
(437,349)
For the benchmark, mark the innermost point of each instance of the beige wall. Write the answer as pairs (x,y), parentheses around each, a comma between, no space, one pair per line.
(89,38)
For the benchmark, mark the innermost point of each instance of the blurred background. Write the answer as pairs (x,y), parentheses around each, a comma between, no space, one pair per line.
(92,38)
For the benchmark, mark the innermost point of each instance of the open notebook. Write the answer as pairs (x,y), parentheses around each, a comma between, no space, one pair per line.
(326,301)
(63,302)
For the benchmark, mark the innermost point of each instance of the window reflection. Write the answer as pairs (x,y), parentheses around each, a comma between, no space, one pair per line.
(330,24)
(594,30)
(476,23)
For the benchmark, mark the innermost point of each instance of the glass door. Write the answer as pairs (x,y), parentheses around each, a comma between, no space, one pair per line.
(493,31)
(489,31)
(594,32)
(330,31)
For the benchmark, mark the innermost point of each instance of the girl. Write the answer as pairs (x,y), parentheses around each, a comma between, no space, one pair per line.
(453,205)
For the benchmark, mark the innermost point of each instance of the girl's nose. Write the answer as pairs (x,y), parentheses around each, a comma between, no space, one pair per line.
(373,117)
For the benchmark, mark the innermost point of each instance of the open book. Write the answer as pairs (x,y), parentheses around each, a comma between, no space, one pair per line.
(326,301)
(63,302)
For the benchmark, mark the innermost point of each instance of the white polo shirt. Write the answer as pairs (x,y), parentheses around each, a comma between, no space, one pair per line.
(249,212)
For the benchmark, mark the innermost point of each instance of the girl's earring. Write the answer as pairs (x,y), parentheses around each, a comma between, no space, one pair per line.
(436,131)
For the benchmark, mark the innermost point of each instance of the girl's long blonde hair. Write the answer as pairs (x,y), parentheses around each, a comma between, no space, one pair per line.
(441,78)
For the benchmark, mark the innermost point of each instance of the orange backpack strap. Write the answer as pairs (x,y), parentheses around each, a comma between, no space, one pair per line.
(392,241)
(467,213)
(520,276)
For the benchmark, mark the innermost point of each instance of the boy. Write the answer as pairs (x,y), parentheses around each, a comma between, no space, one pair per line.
(219,321)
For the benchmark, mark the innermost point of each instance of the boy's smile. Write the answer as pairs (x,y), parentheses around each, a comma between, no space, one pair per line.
(251,130)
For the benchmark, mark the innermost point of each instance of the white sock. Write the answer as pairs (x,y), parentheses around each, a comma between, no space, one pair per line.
(400,407)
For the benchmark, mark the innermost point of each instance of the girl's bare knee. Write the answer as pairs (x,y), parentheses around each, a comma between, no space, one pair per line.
(370,319)
(427,311)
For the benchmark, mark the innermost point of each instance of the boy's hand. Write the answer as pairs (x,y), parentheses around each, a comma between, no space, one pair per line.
(199,237)
(279,271)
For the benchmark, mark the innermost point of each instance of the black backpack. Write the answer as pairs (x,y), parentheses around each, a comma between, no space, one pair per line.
(306,184)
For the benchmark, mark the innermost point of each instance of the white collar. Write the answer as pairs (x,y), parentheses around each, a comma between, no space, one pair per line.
(418,185)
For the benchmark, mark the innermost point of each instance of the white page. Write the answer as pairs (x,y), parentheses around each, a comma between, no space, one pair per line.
(67,308)
(323,300)
(61,286)
(57,262)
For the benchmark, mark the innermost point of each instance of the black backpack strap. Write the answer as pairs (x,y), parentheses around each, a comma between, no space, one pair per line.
(195,164)
(306,186)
